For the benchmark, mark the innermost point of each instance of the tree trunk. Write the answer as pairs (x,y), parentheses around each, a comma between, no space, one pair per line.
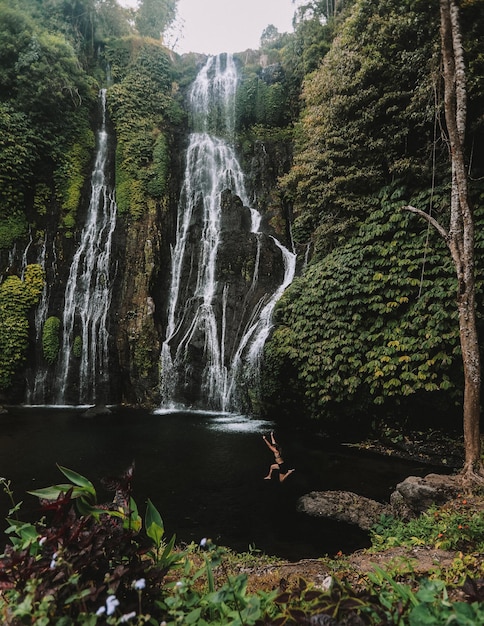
(461,232)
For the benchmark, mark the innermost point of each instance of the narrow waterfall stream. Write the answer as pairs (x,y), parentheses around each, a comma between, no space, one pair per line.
(82,375)
(37,381)
(219,309)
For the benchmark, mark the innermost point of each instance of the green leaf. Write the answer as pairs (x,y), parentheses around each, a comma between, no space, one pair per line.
(78,480)
(168,550)
(133,521)
(85,508)
(154,524)
(54,491)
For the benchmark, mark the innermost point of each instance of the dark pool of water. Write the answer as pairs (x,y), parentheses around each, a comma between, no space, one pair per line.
(203,472)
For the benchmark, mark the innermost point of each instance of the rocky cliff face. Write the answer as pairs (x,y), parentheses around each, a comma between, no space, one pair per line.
(137,333)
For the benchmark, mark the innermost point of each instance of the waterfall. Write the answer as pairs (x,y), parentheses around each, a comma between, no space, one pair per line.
(37,385)
(26,253)
(84,353)
(207,353)
(256,333)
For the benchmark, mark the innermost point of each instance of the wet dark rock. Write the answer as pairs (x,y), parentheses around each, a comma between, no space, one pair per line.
(95,411)
(411,497)
(415,495)
(234,215)
(343,506)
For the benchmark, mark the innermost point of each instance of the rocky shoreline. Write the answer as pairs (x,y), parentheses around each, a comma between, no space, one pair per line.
(440,451)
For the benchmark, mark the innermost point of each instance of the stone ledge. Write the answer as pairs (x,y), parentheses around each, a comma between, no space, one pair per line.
(410,498)
(343,506)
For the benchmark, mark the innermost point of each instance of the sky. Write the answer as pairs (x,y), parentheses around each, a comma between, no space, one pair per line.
(213,26)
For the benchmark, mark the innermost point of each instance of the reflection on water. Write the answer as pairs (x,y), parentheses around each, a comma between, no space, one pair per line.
(239,424)
(203,471)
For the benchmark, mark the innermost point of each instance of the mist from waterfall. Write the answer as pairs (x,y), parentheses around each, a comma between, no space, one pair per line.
(82,374)
(199,316)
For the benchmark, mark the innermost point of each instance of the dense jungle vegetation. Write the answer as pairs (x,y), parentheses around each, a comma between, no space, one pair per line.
(369,327)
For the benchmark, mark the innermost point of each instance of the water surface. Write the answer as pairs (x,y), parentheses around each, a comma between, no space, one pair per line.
(204,472)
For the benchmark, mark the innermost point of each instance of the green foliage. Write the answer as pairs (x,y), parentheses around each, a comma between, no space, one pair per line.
(458,526)
(72,175)
(434,607)
(18,155)
(51,339)
(310,43)
(269,37)
(262,97)
(78,568)
(153,17)
(367,119)
(365,324)
(429,605)
(16,299)
(353,335)
(42,198)
(157,181)
(44,118)
(83,492)
(93,567)
(15,33)
(77,346)
(12,227)
(143,110)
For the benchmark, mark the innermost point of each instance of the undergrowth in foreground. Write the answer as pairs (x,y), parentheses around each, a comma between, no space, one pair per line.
(85,563)
(451,527)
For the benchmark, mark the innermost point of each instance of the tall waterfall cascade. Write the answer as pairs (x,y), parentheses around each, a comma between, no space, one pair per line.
(82,374)
(226,275)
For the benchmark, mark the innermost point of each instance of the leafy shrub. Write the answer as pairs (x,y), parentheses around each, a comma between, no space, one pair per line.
(142,111)
(50,339)
(77,346)
(17,296)
(72,175)
(79,563)
(456,526)
(366,323)
(12,227)
(429,604)
(41,198)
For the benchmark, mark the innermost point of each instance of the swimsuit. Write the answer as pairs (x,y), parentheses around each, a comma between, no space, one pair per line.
(280,463)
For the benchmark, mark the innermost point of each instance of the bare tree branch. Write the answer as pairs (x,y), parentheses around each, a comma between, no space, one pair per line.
(440,229)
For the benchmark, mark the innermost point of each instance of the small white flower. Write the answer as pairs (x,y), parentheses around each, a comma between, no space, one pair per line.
(53,561)
(111,603)
(327,583)
(101,610)
(125,618)
(203,542)
(139,584)
(42,540)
